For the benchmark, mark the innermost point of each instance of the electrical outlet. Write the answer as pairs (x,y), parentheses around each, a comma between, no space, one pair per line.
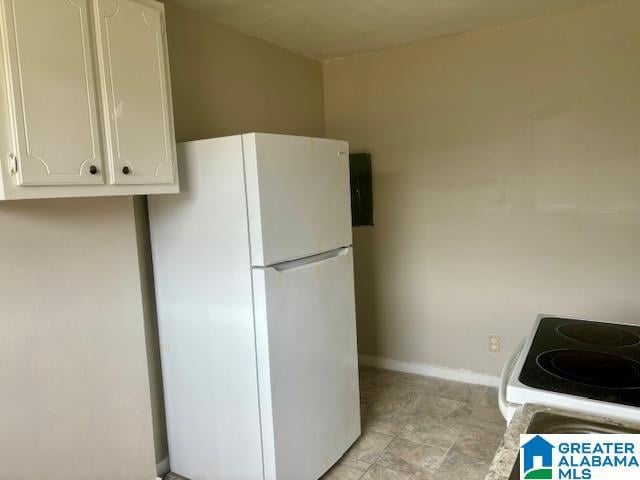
(495,343)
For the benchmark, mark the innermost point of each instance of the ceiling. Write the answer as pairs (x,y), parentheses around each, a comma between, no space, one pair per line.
(328,29)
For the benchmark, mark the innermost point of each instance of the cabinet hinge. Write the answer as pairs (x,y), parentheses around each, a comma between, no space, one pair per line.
(13,164)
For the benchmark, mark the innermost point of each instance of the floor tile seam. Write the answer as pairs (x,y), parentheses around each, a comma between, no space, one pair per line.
(447,453)
(368,468)
(431,445)
(395,437)
(475,457)
(418,443)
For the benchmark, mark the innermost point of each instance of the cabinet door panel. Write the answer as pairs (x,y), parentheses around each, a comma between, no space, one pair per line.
(49,51)
(135,79)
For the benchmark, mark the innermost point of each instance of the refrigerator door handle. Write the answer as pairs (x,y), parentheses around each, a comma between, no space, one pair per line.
(306,261)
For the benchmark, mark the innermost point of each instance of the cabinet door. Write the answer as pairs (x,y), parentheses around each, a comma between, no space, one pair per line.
(133,63)
(48,48)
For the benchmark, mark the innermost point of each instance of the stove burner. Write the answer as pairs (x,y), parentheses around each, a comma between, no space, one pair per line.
(595,369)
(599,334)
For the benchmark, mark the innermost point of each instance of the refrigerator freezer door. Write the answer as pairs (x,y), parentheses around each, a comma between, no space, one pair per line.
(307,364)
(298,196)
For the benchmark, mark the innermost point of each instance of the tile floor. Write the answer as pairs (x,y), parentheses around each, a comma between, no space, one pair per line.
(422,428)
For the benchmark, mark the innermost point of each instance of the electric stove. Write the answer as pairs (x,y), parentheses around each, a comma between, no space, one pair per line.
(581,365)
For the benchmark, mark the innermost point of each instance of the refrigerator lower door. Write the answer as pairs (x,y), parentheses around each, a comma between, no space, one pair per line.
(307,364)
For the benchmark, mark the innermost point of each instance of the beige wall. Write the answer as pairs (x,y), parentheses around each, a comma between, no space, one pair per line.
(506,179)
(73,370)
(506,166)
(73,373)
(224,83)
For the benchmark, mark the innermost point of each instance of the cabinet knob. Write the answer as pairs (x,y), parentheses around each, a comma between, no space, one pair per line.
(93,169)
(126,170)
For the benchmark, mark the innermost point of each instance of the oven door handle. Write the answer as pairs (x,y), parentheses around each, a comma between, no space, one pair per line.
(507,371)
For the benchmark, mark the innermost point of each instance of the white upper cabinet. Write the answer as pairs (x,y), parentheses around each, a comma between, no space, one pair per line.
(131,39)
(54,92)
(86,100)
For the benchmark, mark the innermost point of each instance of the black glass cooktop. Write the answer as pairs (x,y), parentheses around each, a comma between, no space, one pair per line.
(600,361)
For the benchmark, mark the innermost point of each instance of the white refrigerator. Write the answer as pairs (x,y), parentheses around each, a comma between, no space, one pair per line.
(253,272)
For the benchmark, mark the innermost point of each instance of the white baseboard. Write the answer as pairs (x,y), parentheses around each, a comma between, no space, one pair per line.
(427,370)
